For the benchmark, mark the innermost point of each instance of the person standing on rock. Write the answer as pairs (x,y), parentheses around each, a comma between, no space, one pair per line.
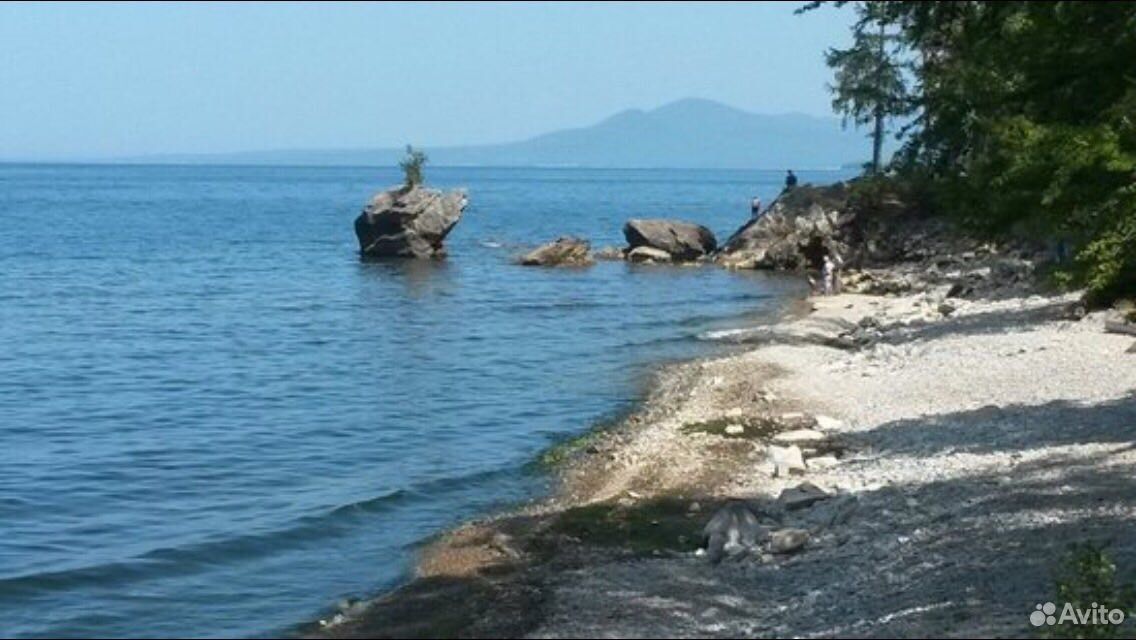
(755,207)
(790,180)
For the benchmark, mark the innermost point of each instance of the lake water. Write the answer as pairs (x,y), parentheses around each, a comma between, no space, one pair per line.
(216,420)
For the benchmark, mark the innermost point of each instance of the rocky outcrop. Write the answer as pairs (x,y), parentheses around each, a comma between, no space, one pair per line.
(565,251)
(797,230)
(885,245)
(408,222)
(683,241)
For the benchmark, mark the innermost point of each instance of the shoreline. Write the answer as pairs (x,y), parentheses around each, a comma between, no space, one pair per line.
(945,429)
(443,559)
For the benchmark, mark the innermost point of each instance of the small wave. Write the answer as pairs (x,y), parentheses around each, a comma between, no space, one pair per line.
(729,334)
(189,558)
(559,305)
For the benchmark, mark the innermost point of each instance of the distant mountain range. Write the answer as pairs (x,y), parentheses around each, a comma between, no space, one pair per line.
(691,133)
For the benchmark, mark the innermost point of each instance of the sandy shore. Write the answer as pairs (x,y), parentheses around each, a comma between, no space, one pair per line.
(961,454)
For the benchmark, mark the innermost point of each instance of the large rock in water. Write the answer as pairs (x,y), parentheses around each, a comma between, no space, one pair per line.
(682,240)
(408,222)
(563,252)
(798,229)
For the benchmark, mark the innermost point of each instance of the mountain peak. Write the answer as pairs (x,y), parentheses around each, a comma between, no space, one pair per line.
(695,105)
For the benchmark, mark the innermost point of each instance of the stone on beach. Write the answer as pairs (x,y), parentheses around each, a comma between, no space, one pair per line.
(803,495)
(681,240)
(827,423)
(565,251)
(788,540)
(820,463)
(786,460)
(799,436)
(408,222)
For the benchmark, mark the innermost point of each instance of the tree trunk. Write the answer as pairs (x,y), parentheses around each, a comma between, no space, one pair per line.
(878,134)
(877,141)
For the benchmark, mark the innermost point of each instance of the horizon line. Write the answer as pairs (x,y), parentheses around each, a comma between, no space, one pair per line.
(117,163)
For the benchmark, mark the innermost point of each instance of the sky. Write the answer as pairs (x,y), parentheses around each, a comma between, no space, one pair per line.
(81,81)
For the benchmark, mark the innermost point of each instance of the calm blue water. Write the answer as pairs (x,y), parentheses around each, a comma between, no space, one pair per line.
(216,420)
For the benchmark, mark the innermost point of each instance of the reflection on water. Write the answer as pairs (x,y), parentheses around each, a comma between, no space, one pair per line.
(418,277)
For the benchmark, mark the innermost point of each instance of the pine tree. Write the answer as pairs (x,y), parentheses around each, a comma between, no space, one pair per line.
(869,82)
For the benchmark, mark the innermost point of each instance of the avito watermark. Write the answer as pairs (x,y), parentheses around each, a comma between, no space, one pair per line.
(1046,614)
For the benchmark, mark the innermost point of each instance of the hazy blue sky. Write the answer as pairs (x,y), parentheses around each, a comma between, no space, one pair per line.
(99,80)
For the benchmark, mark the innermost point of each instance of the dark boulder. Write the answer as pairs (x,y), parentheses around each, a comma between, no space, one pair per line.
(681,240)
(408,222)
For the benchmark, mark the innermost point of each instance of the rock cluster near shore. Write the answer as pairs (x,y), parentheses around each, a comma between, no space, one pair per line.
(408,222)
(649,241)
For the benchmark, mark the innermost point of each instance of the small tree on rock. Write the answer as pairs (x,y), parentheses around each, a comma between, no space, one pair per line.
(412,166)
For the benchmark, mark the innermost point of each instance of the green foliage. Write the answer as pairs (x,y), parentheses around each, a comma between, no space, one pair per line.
(1087,577)
(1024,120)
(412,166)
(562,452)
(753,427)
(644,528)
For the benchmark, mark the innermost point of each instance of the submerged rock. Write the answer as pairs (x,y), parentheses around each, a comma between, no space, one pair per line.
(648,254)
(681,240)
(609,253)
(408,222)
(565,251)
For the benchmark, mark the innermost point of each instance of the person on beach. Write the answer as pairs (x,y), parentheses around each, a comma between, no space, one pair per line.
(826,274)
(790,180)
(755,207)
(830,274)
